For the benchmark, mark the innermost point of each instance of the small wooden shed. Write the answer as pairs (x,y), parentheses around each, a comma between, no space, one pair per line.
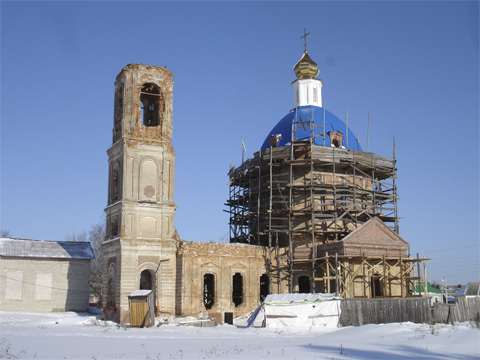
(142,311)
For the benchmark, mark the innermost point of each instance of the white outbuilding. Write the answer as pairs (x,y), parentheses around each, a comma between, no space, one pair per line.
(44,276)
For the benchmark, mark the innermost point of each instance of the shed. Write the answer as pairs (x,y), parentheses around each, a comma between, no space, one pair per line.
(469,290)
(142,310)
(435,295)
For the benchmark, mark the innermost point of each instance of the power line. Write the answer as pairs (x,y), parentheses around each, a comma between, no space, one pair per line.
(45,286)
(456,248)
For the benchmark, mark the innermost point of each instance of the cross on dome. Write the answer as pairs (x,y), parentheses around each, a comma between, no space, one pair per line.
(305,34)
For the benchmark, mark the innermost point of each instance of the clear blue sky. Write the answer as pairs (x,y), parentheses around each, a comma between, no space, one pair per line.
(414,65)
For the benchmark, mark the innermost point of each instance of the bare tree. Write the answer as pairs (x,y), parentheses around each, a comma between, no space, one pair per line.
(96,237)
(224,238)
(81,236)
(4,233)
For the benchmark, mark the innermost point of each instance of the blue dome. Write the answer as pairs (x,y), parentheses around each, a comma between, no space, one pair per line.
(332,123)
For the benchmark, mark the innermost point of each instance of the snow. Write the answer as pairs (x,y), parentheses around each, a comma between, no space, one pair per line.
(140,293)
(81,336)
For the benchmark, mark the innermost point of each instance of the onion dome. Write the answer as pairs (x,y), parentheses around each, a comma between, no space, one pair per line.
(282,132)
(306,68)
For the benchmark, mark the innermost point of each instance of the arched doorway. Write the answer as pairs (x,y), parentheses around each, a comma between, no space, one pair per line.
(146,280)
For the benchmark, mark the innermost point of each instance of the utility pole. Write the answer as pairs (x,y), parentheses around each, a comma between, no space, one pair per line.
(337,268)
(445,289)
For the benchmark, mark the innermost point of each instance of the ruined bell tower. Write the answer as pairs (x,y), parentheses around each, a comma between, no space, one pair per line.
(139,251)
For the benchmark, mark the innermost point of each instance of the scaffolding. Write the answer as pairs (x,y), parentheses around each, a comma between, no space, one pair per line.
(293,199)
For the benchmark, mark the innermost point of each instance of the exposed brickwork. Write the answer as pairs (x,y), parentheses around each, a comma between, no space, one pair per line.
(195,259)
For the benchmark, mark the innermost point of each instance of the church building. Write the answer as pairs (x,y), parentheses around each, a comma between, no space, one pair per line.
(310,212)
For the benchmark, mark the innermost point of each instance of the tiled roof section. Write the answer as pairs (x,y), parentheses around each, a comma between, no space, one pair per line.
(45,249)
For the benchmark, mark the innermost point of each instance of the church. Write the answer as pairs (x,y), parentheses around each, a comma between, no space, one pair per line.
(311,212)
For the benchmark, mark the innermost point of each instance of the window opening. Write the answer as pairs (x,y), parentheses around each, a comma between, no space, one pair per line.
(264,287)
(114,226)
(146,280)
(115,183)
(208,290)
(237,291)
(151,99)
(111,305)
(118,107)
(304,285)
(336,139)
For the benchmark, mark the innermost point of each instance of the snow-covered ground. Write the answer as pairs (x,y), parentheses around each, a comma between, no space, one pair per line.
(81,336)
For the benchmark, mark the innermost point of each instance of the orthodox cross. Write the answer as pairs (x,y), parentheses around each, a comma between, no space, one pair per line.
(305,34)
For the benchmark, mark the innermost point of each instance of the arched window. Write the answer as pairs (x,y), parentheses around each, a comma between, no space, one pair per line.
(152,104)
(118,107)
(264,287)
(146,280)
(237,289)
(208,290)
(118,113)
(115,190)
(303,284)
(111,305)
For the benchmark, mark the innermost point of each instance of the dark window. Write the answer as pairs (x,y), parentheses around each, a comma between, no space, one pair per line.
(118,107)
(114,226)
(115,194)
(333,286)
(151,104)
(118,114)
(146,280)
(237,291)
(264,287)
(303,284)
(208,290)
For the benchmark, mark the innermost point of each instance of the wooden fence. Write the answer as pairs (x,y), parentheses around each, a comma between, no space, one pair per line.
(464,309)
(357,312)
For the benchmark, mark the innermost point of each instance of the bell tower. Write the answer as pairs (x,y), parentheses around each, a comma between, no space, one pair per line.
(139,251)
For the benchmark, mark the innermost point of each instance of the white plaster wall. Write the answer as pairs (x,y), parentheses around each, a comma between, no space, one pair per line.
(44,285)
(307,92)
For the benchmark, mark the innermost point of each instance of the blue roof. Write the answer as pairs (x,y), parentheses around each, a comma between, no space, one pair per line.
(332,123)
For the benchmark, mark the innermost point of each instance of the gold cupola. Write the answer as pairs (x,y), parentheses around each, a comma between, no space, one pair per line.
(306,68)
